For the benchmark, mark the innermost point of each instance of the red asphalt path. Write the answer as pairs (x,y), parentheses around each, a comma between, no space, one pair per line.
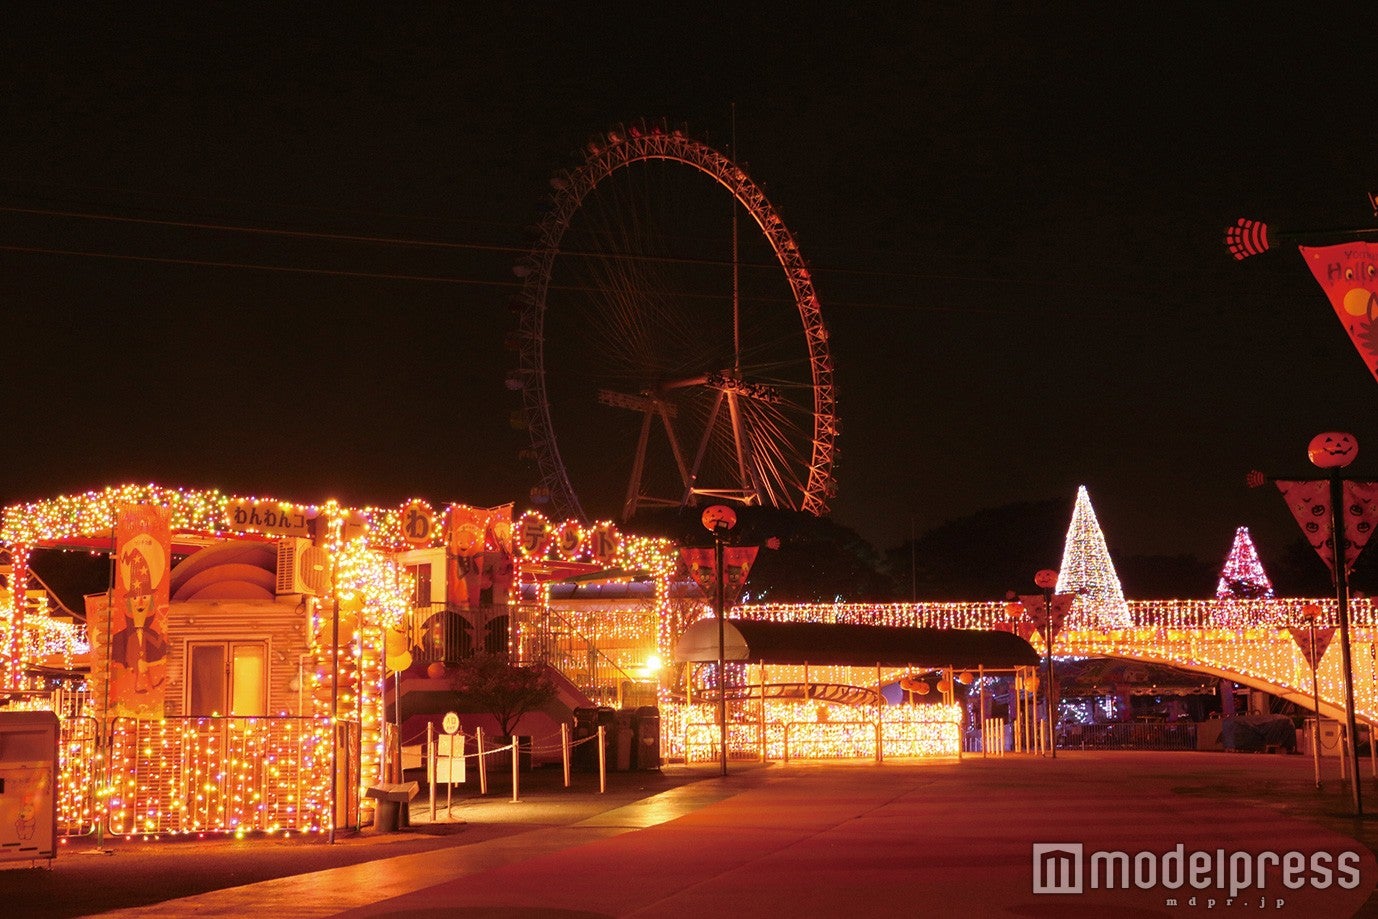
(900,839)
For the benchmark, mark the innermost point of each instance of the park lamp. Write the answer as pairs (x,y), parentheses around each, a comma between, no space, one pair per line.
(719,519)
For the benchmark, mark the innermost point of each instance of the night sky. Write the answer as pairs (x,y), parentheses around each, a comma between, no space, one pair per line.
(1015,219)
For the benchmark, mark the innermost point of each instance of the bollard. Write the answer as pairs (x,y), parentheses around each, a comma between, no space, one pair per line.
(564,749)
(602,762)
(516,763)
(482,762)
(430,764)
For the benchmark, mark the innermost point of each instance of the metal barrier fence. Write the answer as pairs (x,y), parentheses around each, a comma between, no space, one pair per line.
(188,775)
(822,740)
(204,775)
(1127,736)
(79,775)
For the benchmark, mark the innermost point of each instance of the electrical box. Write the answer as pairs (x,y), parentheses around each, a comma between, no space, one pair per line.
(28,785)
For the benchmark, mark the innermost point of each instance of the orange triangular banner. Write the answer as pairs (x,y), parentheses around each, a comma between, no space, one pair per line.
(1059,608)
(1302,636)
(737,561)
(703,569)
(1348,273)
(1309,502)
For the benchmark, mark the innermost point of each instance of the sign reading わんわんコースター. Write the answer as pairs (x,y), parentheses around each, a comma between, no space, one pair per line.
(268,517)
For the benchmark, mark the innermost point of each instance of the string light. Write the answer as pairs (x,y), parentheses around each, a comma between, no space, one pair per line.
(1088,571)
(1243,577)
(271,775)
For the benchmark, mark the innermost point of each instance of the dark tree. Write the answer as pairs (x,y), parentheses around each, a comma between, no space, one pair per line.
(818,560)
(1167,577)
(982,556)
(490,683)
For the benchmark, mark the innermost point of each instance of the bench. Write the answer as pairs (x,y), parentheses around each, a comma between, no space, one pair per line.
(391,812)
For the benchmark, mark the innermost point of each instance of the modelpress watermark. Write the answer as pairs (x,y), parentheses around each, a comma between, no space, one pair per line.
(1065,867)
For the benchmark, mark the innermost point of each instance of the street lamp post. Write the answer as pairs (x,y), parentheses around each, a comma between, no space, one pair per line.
(1310,611)
(719,519)
(1047,580)
(1342,596)
(1331,452)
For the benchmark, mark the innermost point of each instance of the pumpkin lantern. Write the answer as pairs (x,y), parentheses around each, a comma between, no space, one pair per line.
(1332,450)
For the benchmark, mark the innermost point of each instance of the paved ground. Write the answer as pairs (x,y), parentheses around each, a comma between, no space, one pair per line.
(788,841)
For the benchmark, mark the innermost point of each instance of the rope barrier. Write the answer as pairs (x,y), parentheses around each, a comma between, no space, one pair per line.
(433,759)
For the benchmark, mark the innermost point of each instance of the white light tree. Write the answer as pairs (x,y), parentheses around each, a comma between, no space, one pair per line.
(1088,572)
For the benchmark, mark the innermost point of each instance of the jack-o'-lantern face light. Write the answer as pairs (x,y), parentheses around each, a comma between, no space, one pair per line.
(719,517)
(1333,450)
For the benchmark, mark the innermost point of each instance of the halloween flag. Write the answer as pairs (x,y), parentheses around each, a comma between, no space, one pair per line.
(1309,502)
(1348,273)
(497,562)
(737,561)
(1302,636)
(1059,608)
(702,569)
(136,643)
(465,542)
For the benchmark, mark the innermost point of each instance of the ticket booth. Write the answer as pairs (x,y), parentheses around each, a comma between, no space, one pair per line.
(28,783)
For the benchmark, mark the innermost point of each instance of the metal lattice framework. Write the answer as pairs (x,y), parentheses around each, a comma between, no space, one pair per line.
(606,155)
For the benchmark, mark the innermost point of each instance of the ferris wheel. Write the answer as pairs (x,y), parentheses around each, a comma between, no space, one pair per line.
(671,346)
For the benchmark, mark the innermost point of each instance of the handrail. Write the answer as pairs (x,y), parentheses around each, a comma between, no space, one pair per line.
(604,674)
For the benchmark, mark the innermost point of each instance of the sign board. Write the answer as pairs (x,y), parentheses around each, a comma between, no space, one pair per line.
(448,766)
(418,523)
(271,517)
(451,723)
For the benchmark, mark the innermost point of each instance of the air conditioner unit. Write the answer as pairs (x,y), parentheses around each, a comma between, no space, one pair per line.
(302,567)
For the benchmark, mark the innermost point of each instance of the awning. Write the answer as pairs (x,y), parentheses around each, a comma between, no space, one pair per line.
(854,645)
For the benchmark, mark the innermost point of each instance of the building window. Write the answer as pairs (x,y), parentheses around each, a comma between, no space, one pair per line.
(421,584)
(227,678)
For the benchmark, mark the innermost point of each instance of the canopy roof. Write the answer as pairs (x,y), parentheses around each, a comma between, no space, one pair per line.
(849,645)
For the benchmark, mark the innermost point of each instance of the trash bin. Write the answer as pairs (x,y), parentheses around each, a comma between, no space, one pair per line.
(607,719)
(622,759)
(28,783)
(646,725)
(584,756)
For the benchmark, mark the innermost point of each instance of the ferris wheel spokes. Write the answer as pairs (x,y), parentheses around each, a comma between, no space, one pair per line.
(773,443)
(653,404)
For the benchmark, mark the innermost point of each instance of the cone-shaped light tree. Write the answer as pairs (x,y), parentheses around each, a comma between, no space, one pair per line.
(1243,577)
(1088,571)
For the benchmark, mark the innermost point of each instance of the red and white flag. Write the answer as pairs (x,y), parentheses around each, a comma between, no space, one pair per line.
(1348,273)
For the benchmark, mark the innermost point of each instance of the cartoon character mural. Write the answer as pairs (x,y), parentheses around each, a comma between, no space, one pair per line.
(138,642)
(141,646)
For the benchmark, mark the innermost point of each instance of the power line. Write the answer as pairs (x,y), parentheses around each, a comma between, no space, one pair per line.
(262,231)
(525,250)
(477,282)
(206,263)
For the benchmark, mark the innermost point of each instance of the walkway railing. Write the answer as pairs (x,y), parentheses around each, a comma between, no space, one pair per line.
(570,644)
(1127,736)
(1153,614)
(821,740)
